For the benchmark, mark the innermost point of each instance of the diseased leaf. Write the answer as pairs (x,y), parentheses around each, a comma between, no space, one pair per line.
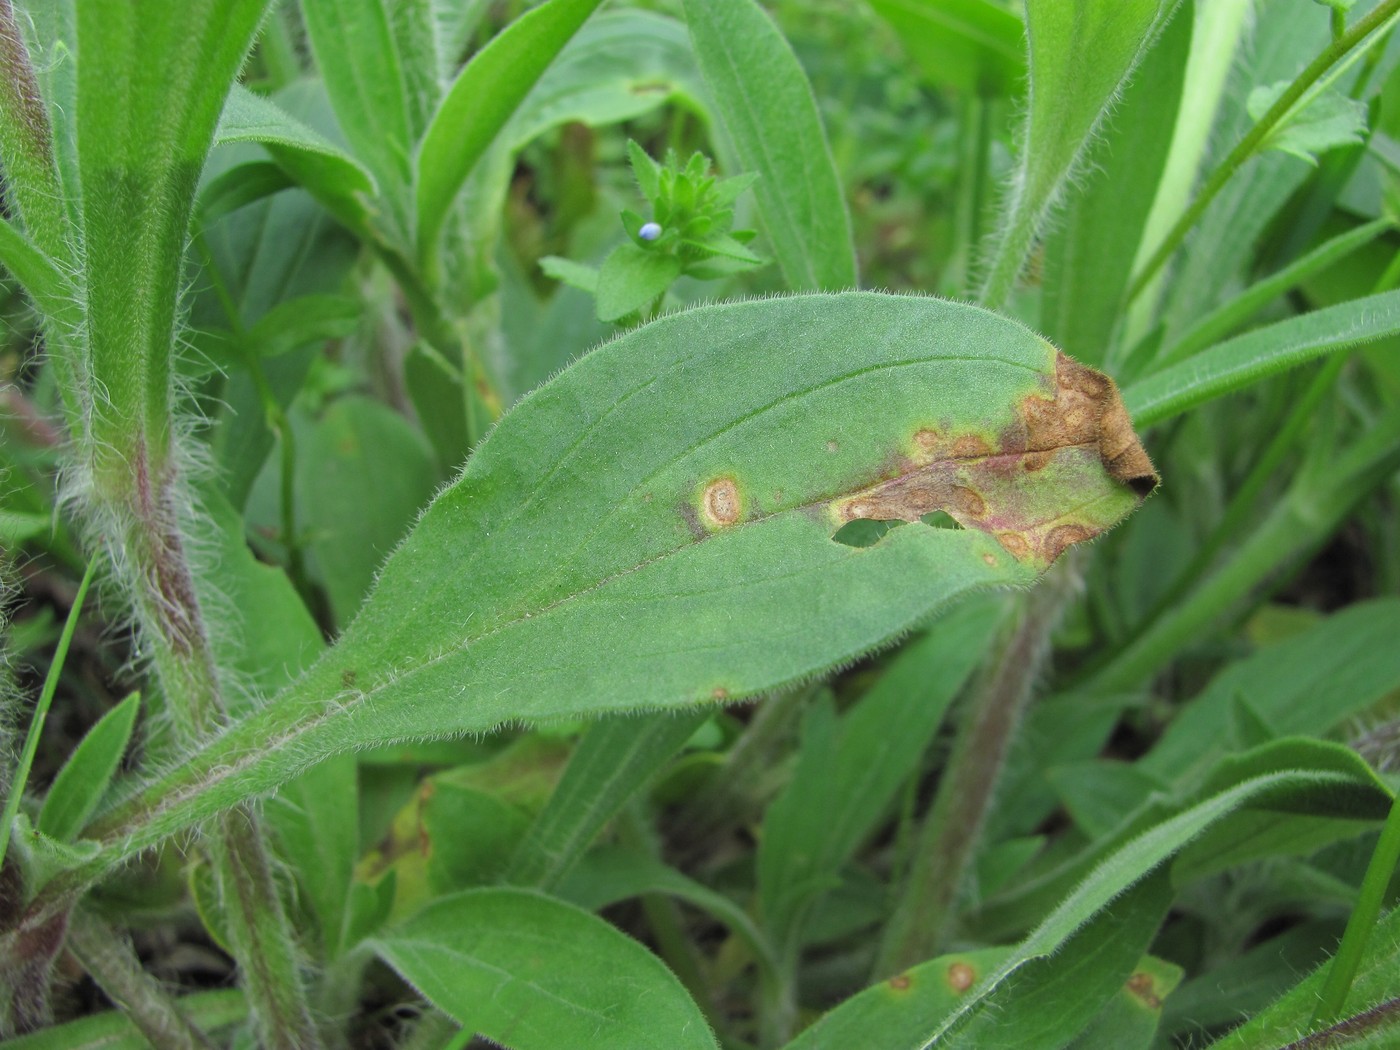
(642,531)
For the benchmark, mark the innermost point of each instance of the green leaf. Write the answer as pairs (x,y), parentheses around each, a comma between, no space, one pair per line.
(901,1008)
(114,1030)
(765,103)
(151,86)
(1256,355)
(968,45)
(849,770)
(1328,120)
(1297,774)
(615,758)
(1374,989)
(1310,684)
(84,778)
(1089,256)
(360,63)
(362,475)
(648,529)
(1220,322)
(575,275)
(1081,55)
(534,973)
(631,278)
(305,319)
(612,874)
(481,101)
(314,160)
(1045,1003)
(36,273)
(440,402)
(1129,1020)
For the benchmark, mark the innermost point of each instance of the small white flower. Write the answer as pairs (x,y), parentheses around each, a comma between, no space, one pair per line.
(649,231)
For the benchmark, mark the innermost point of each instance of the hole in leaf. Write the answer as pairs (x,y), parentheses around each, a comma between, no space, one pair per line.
(940,520)
(864,532)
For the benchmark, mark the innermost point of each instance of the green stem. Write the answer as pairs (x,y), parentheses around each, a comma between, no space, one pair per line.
(41,710)
(947,841)
(110,961)
(1251,142)
(1371,897)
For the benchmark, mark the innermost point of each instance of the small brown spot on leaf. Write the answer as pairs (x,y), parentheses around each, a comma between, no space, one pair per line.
(990,559)
(832,446)
(961,977)
(721,502)
(928,440)
(901,982)
(347,678)
(1015,544)
(970,446)
(719,693)
(968,502)
(1062,537)
(1141,987)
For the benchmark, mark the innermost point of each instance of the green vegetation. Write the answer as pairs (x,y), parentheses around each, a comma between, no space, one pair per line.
(825,524)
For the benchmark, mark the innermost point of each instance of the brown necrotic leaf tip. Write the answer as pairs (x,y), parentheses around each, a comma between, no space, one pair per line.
(1066,468)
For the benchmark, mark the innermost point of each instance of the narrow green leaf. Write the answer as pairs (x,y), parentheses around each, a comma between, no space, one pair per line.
(1081,55)
(114,1030)
(1046,1003)
(969,45)
(359,61)
(762,96)
(1310,684)
(901,1008)
(1264,352)
(1129,1020)
(849,771)
(533,973)
(479,104)
(1268,776)
(86,775)
(440,402)
(615,758)
(1329,119)
(36,273)
(151,86)
(643,531)
(1373,990)
(1089,254)
(1220,322)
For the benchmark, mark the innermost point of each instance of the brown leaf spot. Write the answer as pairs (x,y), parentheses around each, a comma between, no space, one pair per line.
(901,983)
(968,502)
(719,693)
(990,559)
(721,502)
(1077,430)
(832,446)
(1140,986)
(1062,537)
(1015,544)
(961,977)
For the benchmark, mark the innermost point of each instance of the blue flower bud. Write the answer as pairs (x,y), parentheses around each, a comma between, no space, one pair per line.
(649,231)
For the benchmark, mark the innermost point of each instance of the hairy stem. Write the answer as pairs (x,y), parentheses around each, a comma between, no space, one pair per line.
(110,961)
(947,841)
